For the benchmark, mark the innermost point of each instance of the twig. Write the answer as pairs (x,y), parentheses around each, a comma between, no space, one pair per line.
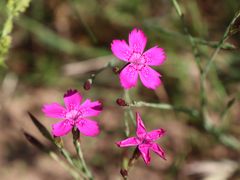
(86,66)
(88,83)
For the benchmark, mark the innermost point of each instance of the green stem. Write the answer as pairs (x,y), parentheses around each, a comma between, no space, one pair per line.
(213,44)
(226,35)
(190,37)
(191,112)
(202,95)
(127,131)
(107,65)
(88,83)
(74,174)
(66,155)
(74,6)
(125,170)
(77,145)
(128,109)
(84,165)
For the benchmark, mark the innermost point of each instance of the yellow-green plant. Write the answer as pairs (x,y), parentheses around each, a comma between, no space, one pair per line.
(13,9)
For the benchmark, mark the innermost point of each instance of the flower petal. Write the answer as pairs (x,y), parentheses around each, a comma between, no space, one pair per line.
(155,134)
(121,50)
(140,129)
(72,99)
(88,127)
(54,110)
(62,128)
(89,108)
(158,150)
(144,149)
(154,56)
(128,77)
(132,141)
(149,77)
(137,40)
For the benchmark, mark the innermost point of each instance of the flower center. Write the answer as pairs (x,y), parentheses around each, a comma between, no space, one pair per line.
(145,141)
(137,60)
(73,114)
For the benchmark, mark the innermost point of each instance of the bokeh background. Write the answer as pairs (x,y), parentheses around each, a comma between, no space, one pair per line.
(58,43)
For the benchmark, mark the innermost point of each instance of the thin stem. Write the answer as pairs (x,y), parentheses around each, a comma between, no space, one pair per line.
(127,131)
(84,165)
(199,41)
(230,141)
(127,111)
(125,170)
(226,35)
(109,64)
(75,8)
(74,174)
(196,53)
(66,155)
(190,37)
(128,100)
(191,112)
(91,79)
(77,145)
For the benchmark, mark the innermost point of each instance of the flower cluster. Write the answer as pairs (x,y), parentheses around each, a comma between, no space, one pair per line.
(76,114)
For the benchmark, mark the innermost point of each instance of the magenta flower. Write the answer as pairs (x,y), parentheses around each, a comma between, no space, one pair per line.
(144,141)
(138,61)
(74,115)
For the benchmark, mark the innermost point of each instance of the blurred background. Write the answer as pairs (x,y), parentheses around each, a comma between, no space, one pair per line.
(58,43)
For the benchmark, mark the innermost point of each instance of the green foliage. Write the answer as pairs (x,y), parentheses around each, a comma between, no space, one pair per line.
(13,9)
(72,164)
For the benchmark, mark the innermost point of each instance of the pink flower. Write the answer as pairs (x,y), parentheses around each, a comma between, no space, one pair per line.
(74,114)
(144,141)
(138,61)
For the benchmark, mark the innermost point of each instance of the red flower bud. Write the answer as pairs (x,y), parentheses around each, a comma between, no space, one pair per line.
(87,85)
(121,102)
(124,172)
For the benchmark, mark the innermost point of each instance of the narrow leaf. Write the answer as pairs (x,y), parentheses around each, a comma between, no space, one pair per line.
(43,130)
(34,141)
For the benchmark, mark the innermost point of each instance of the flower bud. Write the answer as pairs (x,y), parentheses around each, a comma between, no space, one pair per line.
(124,173)
(121,102)
(116,69)
(87,85)
(75,133)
